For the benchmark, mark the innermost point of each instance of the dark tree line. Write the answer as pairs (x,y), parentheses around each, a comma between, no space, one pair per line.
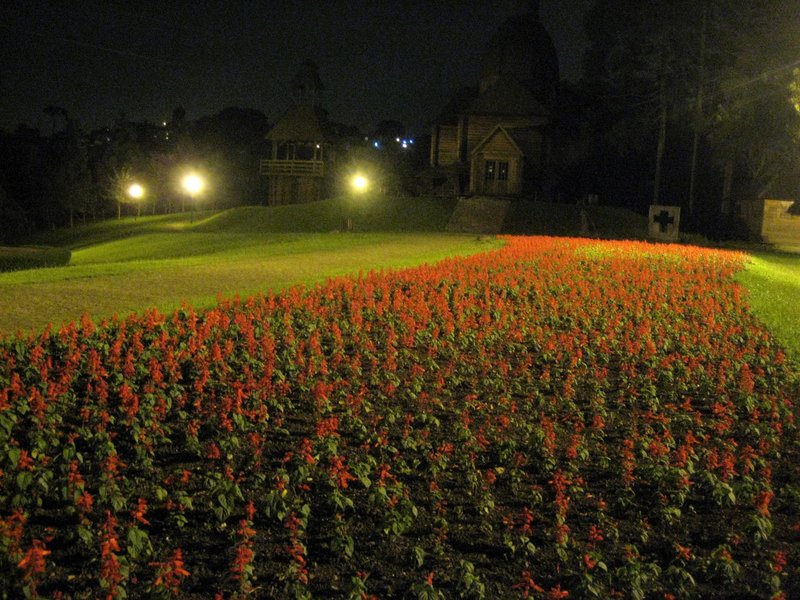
(66,175)
(690,102)
(687,102)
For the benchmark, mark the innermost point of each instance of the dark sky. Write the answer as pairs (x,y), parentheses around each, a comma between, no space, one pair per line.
(392,59)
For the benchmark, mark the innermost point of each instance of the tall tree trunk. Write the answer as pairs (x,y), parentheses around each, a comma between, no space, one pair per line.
(727,186)
(698,111)
(662,143)
(662,122)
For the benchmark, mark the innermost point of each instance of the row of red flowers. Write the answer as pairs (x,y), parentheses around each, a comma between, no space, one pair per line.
(556,418)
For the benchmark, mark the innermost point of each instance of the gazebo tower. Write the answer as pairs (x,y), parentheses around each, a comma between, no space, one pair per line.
(300,149)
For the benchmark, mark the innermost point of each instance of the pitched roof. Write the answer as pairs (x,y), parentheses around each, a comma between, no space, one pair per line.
(302,123)
(499,130)
(525,139)
(507,97)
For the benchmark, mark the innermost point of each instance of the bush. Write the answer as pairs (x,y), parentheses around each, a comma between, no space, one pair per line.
(17,258)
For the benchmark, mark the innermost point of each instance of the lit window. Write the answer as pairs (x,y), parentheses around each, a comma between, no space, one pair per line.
(502,170)
(490,169)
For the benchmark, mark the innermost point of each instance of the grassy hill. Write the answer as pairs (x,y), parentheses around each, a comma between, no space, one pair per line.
(128,265)
(368,212)
(133,264)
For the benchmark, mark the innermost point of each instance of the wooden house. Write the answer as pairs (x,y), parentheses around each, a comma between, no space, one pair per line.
(495,139)
(301,152)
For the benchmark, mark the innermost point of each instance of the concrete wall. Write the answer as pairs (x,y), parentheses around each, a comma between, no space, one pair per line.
(778,225)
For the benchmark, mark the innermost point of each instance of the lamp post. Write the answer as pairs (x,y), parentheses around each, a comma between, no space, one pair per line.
(136,193)
(359,184)
(193,185)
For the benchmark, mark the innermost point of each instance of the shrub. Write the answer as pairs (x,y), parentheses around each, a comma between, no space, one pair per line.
(17,258)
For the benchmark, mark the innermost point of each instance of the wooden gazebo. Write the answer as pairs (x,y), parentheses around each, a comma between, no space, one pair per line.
(300,149)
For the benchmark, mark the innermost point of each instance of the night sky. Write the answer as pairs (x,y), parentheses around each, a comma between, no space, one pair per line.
(397,59)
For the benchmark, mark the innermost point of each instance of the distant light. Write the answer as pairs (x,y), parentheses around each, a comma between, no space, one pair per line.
(396,139)
(405,144)
(360,183)
(376,144)
(411,141)
(135,191)
(317,145)
(165,123)
(193,184)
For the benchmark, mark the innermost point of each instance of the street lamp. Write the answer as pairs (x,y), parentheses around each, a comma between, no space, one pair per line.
(193,185)
(359,182)
(136,193)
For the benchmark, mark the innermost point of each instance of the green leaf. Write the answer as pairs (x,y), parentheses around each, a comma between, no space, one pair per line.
(24,479)
(138,543)
(86,535)
(419,556)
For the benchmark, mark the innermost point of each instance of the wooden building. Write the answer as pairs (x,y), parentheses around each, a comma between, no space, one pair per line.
(298,169)
(494,139)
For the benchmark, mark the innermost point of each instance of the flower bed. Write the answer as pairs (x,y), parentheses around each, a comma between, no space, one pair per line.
(557,417)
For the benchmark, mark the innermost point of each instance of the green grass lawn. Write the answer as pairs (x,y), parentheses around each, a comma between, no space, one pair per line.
(163,270)
(773,282)
(129,265)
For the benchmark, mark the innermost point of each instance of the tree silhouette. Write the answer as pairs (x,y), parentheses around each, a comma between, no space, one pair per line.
(756,123)
(713,73)
(54,112)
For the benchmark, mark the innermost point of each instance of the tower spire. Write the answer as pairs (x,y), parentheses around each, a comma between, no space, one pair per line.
(306,85)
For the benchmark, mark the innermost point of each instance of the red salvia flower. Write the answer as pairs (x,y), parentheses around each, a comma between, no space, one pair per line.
(139,512)
(763,501)
(34,562)
(171,573)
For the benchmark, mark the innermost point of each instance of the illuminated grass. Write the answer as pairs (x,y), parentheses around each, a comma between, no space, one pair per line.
(164,270)
(132,264)
(773,281)
(368,212)
(129,265)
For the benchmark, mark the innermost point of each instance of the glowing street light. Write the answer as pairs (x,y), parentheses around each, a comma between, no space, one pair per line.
(136,192)
(359,183)
(193,185)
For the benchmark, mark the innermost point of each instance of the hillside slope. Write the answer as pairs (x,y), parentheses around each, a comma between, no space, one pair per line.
(368,213)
